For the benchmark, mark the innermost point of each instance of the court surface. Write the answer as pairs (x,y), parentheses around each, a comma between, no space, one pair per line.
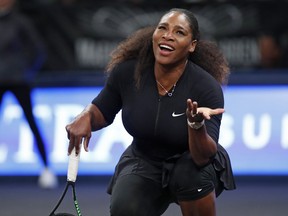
(254,196)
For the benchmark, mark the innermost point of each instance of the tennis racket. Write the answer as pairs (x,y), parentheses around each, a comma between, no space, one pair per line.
(71,178)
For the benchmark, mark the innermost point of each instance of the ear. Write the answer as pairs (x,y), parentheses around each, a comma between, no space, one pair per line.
(193,46)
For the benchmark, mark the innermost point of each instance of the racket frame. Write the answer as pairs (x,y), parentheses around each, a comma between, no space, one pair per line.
(76,204)
(71,178)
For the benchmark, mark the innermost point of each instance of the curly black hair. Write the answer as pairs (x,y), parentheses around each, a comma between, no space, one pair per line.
(139,46)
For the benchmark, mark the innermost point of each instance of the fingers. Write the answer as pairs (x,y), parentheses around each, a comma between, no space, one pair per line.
(70,147)
(189,109)
(194,108)
(197,114)
(206,115)
(77,145)
(217,111)
(68,131)
(78,131)
(189,105)
(75,141)
(86,143)
(192,112)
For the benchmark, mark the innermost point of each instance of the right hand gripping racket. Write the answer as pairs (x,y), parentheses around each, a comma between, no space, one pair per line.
(71,178)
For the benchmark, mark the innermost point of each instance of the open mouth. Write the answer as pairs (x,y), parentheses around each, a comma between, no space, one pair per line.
(165,47)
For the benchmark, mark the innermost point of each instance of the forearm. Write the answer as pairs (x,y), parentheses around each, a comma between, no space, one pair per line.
(202,147)
(97,119)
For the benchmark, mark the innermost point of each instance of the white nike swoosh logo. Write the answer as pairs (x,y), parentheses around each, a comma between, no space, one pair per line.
(176,115)
(199,190)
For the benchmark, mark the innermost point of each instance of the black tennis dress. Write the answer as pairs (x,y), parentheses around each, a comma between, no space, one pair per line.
(158,124)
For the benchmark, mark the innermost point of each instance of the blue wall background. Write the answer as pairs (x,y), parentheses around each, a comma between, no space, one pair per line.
(254,131)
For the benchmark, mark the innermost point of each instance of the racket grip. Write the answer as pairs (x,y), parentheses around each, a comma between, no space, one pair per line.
(73,166)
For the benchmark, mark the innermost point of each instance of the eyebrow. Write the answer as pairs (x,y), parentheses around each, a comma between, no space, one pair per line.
(177,26)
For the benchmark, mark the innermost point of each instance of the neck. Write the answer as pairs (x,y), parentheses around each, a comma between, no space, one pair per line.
(169,74)
(167,77)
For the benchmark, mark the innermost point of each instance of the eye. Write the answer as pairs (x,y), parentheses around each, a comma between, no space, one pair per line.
(161,27)
(180,32)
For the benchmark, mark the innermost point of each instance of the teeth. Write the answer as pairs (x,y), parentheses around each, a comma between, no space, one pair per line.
(166,47)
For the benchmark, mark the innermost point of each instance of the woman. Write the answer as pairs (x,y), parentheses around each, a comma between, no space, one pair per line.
(174,155)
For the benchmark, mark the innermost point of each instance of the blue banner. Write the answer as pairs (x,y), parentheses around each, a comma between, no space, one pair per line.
(254,132)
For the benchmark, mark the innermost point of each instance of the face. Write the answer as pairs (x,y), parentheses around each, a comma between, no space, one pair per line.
(173,39)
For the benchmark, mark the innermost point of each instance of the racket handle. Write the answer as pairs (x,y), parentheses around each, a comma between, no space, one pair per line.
(73,166)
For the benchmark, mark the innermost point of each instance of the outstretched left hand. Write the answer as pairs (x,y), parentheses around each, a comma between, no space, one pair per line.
(198,114)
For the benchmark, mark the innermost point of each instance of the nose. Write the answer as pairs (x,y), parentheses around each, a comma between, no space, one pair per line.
(168,35)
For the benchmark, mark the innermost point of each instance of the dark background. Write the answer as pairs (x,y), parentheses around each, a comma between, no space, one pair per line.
(80,34)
